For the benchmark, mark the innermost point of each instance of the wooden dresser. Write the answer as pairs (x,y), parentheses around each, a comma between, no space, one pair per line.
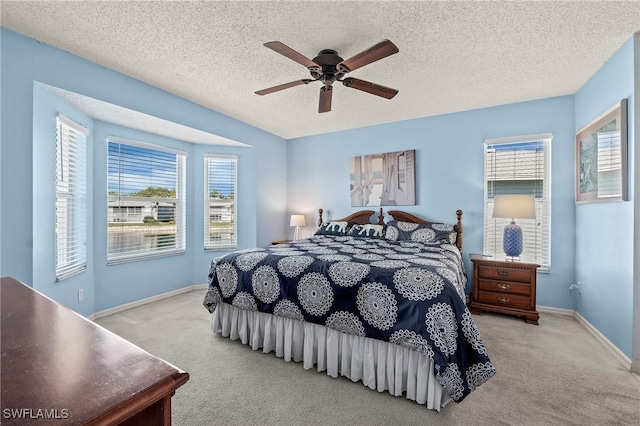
(507,287)
(60,368)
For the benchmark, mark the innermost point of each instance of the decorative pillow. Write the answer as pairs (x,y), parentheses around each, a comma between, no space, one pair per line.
(368,230)
(333,228)
(441,233)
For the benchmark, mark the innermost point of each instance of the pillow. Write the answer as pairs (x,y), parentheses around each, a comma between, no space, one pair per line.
(333,228)
(368,230)
(440,233)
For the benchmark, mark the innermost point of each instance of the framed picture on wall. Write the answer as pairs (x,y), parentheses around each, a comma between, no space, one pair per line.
(601,158)
(384,179)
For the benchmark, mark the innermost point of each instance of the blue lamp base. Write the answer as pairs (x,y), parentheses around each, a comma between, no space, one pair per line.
(512,240)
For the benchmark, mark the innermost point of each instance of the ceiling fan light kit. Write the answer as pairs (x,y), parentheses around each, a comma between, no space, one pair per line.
(328,67)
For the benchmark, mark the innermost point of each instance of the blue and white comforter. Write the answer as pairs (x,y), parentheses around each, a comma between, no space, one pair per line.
(408,293)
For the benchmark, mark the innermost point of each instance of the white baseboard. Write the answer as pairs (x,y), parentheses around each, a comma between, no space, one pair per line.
(141,302)
(620,356)
(557,311)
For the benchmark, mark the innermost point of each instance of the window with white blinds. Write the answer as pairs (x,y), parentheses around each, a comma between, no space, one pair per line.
(146,201)
(71,198)
(220,225)
(519,166)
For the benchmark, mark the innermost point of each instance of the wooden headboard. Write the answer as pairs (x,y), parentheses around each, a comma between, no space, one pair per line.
(362,217)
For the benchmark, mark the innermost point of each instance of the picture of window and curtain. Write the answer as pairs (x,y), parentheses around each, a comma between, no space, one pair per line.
(383,179)
(601,158)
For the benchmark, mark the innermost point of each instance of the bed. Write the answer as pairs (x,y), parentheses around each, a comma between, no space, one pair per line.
(381,303)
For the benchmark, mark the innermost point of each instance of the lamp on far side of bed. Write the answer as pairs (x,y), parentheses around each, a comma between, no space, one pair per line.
(513,206)
(297,220)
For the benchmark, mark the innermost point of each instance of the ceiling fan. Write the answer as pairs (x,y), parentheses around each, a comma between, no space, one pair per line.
(328,68)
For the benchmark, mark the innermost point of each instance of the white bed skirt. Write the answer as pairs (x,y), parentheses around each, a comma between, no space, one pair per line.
(379,365)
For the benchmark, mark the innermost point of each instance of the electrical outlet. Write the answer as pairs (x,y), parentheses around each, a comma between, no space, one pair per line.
(80,295)
(576,286)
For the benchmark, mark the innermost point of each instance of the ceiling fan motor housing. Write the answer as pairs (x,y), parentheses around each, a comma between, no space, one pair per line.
(328,73)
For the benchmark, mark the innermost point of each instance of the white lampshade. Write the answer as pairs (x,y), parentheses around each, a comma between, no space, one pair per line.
(514,206)
(297,220)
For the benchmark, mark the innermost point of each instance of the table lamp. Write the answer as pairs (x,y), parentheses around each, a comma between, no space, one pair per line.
(297,220)
(513,206)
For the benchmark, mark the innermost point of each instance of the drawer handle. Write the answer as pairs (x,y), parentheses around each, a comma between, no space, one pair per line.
(503,273)
(503,286)
(503,300)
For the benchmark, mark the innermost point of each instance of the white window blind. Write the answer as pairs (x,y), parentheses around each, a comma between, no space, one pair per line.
(519,166)
(146,203)
(71,198)
(220,229)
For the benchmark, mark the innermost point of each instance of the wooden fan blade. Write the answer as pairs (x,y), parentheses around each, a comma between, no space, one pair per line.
(285,50)
(325,98)
(374,89)
(381,50)
(282,87)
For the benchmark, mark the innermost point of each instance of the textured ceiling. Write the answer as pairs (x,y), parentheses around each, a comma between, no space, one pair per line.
(453,56)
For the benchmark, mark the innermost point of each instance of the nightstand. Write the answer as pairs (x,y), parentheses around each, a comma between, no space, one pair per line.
(507,287)
(275,243)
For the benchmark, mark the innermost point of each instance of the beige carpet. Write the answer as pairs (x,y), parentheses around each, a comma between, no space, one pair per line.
(553,374)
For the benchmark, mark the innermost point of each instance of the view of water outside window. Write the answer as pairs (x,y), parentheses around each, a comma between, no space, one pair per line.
(144,201)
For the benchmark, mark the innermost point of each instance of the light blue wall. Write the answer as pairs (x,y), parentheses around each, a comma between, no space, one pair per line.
(449,173)
(25,61)
(604,231)
(16,146)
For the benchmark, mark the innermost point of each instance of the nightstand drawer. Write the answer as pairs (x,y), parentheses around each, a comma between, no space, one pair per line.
(507,274)
(505,287)
(501,299)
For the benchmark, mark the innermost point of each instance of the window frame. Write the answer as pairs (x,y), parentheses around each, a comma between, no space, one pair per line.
(543,204)
(180,207)
(71,155)
(207,213)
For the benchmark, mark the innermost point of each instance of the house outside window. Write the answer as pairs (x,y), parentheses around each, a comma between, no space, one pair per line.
(519,165)
(220,215)
(146,201)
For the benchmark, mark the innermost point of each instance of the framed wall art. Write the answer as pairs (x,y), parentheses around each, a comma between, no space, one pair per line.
(601,158)
(384,179)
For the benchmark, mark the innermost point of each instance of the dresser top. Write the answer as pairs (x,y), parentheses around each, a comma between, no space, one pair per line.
(53,358)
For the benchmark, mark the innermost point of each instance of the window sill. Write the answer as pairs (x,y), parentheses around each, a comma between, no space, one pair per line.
(220,248)
(148,256)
